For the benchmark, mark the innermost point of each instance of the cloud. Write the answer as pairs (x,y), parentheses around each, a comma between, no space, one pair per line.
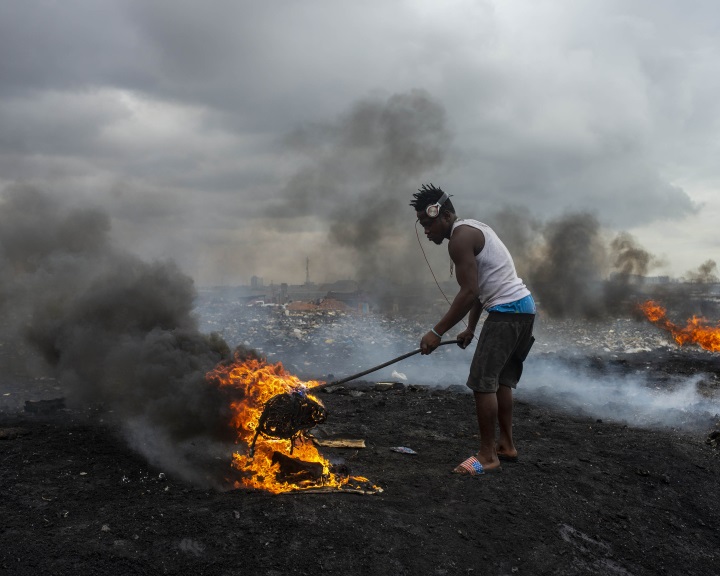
(187,121)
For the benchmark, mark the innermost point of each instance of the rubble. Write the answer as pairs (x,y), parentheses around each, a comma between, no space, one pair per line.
(714,438)
(403,450)
(339,442)
(611,336)
(12,433)
(45,406)
(384,386)
(314,332)
(309,339)
(296,471)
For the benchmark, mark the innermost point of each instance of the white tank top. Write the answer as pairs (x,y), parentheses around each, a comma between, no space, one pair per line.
(497,279)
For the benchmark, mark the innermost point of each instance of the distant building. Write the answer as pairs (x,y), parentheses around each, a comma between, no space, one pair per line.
(658,280)
(639,279)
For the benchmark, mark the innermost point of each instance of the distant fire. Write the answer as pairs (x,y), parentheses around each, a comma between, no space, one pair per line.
(697,331)
(256,382)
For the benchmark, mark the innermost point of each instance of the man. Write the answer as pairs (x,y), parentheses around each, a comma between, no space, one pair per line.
(488,281)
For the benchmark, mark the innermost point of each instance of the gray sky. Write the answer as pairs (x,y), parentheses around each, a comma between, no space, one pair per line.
(240,138)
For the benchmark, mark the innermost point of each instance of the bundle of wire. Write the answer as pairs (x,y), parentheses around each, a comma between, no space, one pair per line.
(286,416)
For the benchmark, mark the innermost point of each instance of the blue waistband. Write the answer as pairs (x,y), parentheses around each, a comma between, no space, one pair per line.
(523,306)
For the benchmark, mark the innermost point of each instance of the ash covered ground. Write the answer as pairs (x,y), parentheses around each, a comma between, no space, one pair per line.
(619,464)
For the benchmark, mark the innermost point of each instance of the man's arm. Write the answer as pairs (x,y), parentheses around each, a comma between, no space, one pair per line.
(463,247)
(466,336)
(465,243)
(474,317)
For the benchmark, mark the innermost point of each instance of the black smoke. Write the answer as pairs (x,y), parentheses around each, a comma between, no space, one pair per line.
(574,267)
(359,175)
(568,275)
(117,332)
(705,273)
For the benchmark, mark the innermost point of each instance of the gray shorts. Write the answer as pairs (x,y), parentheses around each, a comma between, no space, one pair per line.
(503,345)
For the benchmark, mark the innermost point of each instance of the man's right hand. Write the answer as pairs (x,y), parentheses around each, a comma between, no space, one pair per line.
(429,342)
(465,337)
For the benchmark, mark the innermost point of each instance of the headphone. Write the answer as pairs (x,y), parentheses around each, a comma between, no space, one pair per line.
(433,210)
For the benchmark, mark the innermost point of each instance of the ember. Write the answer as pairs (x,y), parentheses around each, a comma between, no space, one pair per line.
(697,331)
(269,466)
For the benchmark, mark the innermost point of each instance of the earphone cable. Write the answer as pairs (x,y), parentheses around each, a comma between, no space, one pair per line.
(417,234)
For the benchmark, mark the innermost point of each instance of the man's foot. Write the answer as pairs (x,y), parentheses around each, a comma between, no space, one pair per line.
(506,454)
(507,457)
(473,467)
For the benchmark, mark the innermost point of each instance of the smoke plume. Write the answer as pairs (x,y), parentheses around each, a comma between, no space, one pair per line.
(567,277)
(117,332)
(571,267)
(359,176)
(705,274)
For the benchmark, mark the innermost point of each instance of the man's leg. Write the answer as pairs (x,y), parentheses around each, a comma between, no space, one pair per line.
(505,443)
(486,407)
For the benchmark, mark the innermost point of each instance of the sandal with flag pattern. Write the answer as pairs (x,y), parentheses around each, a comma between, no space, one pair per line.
(472,467)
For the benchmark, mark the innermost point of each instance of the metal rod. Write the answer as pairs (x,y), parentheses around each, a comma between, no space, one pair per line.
(374,369)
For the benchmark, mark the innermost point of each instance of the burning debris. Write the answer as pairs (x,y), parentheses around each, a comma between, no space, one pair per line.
(277,407)
(297,472)
(288,416)
(279,456)
(696,331)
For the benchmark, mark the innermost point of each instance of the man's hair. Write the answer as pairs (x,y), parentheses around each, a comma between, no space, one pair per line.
(428,194)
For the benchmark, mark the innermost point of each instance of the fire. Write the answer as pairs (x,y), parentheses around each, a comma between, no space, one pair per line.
(697,331)
(255,382)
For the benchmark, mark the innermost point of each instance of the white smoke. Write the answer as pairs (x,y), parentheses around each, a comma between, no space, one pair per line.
(643,400)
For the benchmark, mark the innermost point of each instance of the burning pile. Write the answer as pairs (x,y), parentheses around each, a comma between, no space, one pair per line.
(697,330)
(271,463)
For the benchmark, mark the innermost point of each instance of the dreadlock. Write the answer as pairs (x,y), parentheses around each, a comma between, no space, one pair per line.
(428,194)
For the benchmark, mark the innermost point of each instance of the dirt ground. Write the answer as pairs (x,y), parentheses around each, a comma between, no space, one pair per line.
(586,497)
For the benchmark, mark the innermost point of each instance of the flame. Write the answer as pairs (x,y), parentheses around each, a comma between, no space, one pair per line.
(697,331)
(255,382)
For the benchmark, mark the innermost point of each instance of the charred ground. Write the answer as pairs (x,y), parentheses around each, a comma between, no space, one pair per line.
(586,497)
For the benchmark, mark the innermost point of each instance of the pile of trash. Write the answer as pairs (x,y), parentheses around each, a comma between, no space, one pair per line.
(619,335)
(336,327)
(312,340)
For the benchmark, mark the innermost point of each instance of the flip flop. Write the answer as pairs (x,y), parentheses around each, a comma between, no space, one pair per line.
(506,458)
(474,468)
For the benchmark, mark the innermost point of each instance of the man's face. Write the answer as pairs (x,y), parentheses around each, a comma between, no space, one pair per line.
(434,229)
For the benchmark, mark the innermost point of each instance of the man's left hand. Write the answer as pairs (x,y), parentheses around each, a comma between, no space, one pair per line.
(465,337)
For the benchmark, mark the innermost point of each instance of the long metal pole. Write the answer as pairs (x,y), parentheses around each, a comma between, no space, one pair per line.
(375,368)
